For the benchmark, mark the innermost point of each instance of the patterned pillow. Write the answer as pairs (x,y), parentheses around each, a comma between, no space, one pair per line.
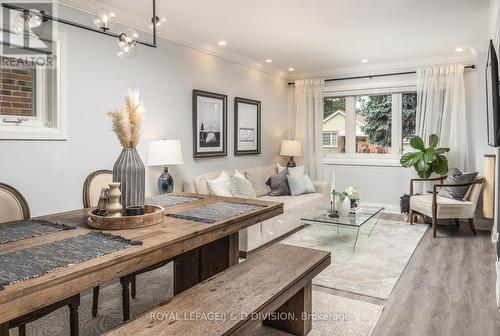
(300,185)
(279,184)
(220,186)
(241,187)
(258,177)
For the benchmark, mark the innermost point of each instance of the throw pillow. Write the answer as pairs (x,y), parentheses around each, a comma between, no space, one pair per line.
(455,176)
(300,185)
(279,184)
(258,177)
(241,187)
(220,186)
(294,171)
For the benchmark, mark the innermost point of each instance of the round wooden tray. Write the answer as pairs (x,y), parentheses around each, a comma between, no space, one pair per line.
(154,215)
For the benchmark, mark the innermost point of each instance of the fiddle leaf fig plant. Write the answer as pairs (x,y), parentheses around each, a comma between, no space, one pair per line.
(426,160)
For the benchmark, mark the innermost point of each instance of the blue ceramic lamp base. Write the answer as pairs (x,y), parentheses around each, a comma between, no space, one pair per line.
(165,182)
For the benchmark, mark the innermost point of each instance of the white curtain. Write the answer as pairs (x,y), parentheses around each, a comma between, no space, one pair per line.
(441,110)
(307,124)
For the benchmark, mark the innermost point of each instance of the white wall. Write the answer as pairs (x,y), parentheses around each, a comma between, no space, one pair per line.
(51,174)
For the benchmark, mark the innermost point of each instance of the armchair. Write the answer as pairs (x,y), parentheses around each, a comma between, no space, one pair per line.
(438,207)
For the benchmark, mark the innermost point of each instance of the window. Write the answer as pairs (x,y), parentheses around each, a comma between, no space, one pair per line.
(409,111)
(32,96)
(373,124)
(330,139)
(363,124)
(334,123)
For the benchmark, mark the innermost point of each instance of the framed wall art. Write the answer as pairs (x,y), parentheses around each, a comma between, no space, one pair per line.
(247,126)
(209,124)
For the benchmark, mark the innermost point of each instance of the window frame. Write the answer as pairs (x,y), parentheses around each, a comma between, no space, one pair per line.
(350,157)
(34,128)
(332,135)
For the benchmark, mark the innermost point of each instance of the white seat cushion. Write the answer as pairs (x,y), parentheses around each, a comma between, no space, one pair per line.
(292,202)
(446,207)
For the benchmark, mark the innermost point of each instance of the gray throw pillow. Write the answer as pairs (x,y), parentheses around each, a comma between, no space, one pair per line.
(279,184)
(455,176)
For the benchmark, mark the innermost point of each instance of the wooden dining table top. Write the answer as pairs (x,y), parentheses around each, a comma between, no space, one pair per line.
(170,238)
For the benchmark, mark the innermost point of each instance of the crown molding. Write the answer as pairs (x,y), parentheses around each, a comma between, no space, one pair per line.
(138,23)
(469,56)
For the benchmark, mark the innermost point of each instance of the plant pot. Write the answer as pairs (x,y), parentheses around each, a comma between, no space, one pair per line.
(343,206)
(129,170)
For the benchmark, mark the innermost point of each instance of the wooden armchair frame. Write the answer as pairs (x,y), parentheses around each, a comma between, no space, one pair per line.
(434,200)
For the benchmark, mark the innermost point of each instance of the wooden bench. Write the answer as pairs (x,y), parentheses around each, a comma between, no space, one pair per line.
(272,287)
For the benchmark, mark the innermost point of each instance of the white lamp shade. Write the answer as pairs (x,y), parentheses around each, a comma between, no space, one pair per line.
(165,152)
(291,148)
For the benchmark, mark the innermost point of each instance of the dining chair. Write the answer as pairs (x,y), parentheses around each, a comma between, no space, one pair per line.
(439,207)
(14,205)
(15,208)
(92,187)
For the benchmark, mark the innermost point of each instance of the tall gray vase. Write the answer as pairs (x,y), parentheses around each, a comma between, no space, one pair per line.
(129,170)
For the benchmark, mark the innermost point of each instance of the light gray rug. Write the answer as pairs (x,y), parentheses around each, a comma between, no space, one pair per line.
(378,261)
(347,317)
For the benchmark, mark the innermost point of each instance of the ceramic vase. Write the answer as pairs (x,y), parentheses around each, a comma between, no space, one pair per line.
(129,170)
(343,206)
(114,206)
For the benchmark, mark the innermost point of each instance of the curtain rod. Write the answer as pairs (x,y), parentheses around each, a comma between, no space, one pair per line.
(473,66)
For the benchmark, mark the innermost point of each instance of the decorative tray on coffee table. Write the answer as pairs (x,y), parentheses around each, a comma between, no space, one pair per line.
(153,215)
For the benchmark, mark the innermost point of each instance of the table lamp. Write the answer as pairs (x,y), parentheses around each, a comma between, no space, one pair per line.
(163,153)
(291,148)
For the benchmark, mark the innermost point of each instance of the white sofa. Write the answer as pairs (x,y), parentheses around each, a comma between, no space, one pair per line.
(295,207)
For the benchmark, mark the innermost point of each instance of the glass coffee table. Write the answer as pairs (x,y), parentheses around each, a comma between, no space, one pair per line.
(365,216)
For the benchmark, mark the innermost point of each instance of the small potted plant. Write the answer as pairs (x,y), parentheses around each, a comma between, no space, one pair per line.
(354,195)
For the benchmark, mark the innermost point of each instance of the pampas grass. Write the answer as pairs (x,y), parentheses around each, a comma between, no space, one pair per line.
(127,122)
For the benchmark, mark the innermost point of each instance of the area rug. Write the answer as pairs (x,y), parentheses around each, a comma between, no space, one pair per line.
(374,268)
(346,316)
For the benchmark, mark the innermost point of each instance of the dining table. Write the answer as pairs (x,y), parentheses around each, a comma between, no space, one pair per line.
(198,249)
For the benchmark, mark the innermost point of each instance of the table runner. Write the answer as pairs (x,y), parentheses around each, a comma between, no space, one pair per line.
(28,229)
(216,212)
(166,200)
(35,261)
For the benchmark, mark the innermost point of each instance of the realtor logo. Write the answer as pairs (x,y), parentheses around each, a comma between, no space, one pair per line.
(26,30)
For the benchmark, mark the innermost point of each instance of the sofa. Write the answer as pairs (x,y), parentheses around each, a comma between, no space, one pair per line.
(295,208)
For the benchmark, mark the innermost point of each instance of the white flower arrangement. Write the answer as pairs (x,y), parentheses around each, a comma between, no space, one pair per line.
(353,193)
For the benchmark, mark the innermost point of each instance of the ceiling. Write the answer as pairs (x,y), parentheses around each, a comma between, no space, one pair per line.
(317,36)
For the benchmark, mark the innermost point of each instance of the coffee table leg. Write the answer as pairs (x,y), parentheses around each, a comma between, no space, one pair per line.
(355,241)
(376,221)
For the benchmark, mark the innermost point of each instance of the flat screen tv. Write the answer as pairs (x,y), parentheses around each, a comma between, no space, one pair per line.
(492,96)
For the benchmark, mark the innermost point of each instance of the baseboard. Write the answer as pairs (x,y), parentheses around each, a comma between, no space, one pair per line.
(498,283)
(246,254)
(389,208)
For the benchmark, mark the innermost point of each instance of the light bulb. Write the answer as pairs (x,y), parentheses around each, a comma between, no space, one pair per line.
(127,42)
(104,19)
(33,17)
(161,23)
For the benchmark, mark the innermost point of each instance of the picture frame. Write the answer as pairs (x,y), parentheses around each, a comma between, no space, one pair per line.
(209,124)
(247,126)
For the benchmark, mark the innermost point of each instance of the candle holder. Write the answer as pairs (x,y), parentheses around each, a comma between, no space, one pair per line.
(333,213)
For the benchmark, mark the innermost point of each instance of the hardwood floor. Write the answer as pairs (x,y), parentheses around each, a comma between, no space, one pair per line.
(447,288)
